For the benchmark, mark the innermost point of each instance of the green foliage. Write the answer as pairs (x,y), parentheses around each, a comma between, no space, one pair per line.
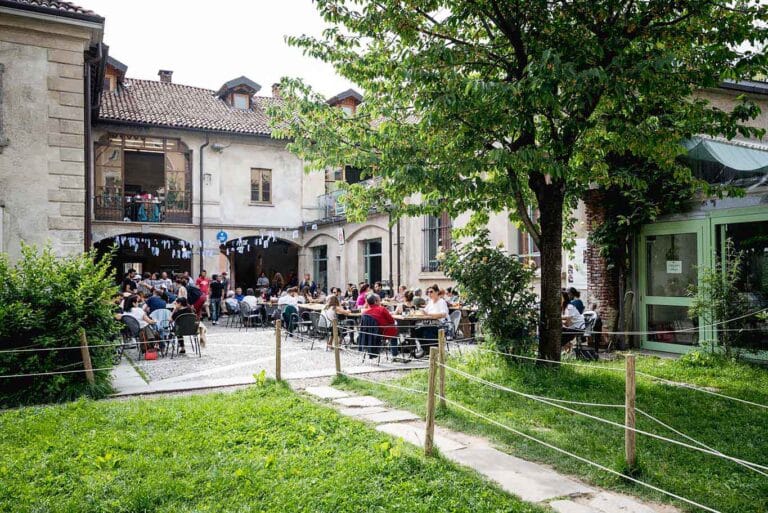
(500,285)
(733,428)
(263,449)
(45,302)
(490,106)
(717,298)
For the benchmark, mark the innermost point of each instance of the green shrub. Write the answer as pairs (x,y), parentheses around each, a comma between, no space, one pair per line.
(45,302)
(500,285)
(718,300)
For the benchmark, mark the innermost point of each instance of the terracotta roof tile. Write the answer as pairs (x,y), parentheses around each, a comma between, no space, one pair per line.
(53,6)
(155,103)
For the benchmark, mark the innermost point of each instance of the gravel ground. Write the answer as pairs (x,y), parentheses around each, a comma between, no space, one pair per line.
(230,353)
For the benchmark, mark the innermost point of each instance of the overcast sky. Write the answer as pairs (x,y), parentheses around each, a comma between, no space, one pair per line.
(208,43)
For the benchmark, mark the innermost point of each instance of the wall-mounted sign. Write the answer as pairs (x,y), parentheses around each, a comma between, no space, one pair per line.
(221,236)
(674,267)
(340,235)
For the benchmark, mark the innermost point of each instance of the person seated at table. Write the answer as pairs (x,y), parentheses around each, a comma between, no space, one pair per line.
(131,308)
(181,307)
(181,289)
(155,302)
(418,300)
(573,322)
(452,296)
(406,305)
(575,297)
(400,296)
(239,294)
(278,285)
(436,309)
(331,311)
(231,304)
(305,296)
(250,299)
(384,319)
(263,281)
(348,292)
(361,297)
(289,298)
(378,289)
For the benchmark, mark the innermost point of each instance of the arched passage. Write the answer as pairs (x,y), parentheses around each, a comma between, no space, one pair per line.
(146,252)
(249,256)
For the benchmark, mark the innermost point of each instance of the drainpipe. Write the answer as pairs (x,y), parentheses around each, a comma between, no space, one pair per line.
(391,283)
(202,236)
(399,277)
(88,143)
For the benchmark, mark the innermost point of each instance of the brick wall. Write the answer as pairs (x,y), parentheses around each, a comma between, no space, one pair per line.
(602,282)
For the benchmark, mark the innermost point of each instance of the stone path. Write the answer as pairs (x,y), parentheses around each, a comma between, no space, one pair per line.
(531,482)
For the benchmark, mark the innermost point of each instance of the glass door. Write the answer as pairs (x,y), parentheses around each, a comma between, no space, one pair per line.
(669,257)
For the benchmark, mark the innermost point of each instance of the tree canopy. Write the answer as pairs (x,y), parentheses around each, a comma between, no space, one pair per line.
(515,105)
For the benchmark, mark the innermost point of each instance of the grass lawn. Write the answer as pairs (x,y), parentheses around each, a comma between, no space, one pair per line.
(735,429)
(262,449)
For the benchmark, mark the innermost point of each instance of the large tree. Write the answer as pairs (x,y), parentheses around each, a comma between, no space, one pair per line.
(513,105)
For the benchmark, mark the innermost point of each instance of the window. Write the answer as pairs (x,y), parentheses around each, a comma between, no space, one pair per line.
(527,251)
(437,239)
(261,185)
(320,266)
(372,260)
(241,101)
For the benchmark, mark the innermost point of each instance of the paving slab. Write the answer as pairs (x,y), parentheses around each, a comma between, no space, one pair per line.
(529,481)
(326,392)
(358,412)
(609,502)
(389,416)
(571,507)
(415,434)
(359,401)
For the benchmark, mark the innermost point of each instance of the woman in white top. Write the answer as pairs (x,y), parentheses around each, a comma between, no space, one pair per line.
(436,307)
(131,309)
(573,322)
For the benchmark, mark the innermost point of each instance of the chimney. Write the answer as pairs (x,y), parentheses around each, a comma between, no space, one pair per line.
(165,75)
(276,90)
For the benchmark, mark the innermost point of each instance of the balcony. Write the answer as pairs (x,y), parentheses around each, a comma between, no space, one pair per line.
(110,204)
(330,205)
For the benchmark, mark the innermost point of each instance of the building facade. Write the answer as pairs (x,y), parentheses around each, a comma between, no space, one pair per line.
(49,61)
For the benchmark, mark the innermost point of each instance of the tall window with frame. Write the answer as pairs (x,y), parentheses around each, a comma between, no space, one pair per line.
(320,266)
(527,250)
(437,239)
(372,260)
(261,185)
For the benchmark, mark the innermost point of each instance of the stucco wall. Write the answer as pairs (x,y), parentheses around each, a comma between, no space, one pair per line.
(42,174)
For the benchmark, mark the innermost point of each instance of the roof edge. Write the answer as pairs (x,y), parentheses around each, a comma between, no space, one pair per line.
(53,12)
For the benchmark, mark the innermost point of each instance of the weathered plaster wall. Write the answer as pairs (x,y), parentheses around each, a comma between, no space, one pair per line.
(42,175)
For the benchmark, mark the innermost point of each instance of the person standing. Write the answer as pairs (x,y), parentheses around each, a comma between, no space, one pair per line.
(204,284)
(196,299)
(216,295)
(225,282)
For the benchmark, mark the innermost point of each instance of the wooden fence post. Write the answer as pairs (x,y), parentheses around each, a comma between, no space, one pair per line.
(86,354)
(441,354)
(336,355)
(429,436)
(629,413)
(278,357)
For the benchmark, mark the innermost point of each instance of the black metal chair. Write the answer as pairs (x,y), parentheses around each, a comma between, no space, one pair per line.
(186,325)
(131,335)
(247,316)
(322,329)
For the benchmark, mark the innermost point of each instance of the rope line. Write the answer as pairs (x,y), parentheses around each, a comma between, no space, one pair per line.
(600,419)
(667,426)
(700,389)
(390,385)
(577,457)
(52,373)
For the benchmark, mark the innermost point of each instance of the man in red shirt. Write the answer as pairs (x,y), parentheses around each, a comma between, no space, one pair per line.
(382,316)
(202,282)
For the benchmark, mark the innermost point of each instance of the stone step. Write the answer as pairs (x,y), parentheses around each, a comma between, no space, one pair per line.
(389,416)
(359,401)
(357,412)
(565,506)
(326,392)
(415,433)
(529,481)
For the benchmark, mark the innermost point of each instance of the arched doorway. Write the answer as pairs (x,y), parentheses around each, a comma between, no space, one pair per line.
(249,256)
(146,252)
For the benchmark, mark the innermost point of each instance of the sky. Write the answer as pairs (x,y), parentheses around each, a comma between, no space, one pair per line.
(208,43)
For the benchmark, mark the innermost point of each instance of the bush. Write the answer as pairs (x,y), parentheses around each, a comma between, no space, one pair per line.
(45,302)
(500,285)
(719,301)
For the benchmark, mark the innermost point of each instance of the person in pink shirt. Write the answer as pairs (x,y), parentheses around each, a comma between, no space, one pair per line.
(364,289)
(202,282)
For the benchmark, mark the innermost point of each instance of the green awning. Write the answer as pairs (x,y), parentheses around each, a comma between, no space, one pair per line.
(738,158)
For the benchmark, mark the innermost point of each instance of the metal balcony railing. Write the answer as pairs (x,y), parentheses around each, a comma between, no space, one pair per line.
(110,204)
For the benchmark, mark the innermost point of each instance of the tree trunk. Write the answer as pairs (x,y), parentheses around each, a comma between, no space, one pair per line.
(551,199)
